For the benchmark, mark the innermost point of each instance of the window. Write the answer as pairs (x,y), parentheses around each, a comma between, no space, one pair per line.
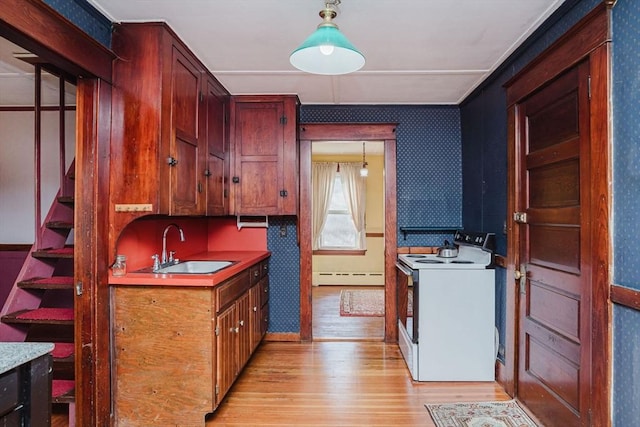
(339,231)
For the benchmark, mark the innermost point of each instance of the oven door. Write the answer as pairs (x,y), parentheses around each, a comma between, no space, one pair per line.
(405,276)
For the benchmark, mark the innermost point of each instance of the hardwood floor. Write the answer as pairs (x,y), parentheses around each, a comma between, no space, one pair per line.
(337,384)
(329,325)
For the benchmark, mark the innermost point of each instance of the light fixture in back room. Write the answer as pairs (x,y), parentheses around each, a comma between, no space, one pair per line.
(327,51)
(364,172)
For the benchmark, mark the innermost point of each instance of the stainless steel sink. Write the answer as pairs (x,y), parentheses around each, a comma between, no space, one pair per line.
(196,267)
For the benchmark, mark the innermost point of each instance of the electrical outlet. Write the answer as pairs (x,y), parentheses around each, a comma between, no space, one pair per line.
(283,231)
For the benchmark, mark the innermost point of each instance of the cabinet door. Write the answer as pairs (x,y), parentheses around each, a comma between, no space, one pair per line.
(258,174)
(186,153)
(217,164)
(227,342)
(244,330)
(255,316)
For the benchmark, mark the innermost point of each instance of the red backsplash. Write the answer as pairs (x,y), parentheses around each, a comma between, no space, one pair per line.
(143,238)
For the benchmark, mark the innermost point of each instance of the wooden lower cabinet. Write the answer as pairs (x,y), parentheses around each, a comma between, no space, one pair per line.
(177,350)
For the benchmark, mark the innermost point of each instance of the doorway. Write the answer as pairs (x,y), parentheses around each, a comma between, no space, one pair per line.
(348,252)
(385,133)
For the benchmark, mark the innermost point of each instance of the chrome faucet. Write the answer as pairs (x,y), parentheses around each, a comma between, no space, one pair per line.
(166,259)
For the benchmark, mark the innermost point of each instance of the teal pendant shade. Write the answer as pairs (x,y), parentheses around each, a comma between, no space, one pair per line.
(327,51)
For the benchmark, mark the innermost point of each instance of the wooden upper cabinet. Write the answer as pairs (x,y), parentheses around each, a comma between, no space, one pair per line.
(264,170)
(217,168)
(187,152)
(160,140)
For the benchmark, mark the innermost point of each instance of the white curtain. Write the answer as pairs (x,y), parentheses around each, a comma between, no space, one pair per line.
(355,187)
(323,175)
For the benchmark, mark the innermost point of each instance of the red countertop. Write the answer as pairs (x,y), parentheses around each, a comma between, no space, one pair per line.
(244,259)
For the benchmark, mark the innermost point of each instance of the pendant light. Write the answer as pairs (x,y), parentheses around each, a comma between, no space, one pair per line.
(364,172)
(327,51)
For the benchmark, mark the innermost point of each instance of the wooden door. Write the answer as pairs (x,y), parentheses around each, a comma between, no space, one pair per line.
(554,375)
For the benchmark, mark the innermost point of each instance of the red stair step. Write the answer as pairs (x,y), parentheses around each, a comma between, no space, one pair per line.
(63,350)
(50,316)
(55,282)
(60,225)
(63,391)
(67,200)
(66,252)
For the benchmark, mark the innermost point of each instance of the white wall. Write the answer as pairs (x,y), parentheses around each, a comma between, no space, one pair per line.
(17,202)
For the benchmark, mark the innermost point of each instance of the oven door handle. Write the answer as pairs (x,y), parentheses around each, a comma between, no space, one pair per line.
(404,269)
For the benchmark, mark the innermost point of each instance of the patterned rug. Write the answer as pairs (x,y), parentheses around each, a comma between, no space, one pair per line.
(365,303)
(480,414)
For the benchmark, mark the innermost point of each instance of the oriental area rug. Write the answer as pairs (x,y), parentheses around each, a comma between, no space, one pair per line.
(365,303)
(480,414)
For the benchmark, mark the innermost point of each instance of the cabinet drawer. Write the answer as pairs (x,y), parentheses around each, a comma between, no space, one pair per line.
(9,391)
(264,291)
(229,291)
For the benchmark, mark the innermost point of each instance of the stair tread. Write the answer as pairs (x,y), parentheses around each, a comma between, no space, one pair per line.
(55,282)
(63,350)
(63,391)
(64,225)
(44,315)
(68,200)
(66,252)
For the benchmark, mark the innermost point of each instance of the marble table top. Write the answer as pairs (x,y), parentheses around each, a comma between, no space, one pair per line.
(13,354)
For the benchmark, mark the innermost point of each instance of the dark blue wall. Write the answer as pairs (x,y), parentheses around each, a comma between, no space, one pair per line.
(626,208)
(429,189)
(86,17)
(484,143)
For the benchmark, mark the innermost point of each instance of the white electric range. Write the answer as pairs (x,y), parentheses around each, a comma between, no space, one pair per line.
(451,336)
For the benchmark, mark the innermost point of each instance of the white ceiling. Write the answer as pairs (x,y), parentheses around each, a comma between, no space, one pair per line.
(417,51)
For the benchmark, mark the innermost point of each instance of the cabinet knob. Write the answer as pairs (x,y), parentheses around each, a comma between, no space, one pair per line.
(235,179)
(283,193)
(172,161)
(255,308)
(207,173)
(241,323)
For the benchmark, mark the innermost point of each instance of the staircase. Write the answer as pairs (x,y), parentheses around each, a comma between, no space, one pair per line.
(39,307)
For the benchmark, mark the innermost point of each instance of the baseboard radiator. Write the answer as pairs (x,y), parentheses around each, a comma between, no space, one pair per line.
(347,278)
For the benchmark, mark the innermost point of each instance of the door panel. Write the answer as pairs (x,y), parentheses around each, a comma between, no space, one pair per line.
(554,311)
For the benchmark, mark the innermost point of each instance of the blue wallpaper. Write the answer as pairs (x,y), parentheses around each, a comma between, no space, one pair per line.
(429,188)
(626,208)
(483,118)
(86,17)
(626,135)
(284,276)
(626,367)
(428,162)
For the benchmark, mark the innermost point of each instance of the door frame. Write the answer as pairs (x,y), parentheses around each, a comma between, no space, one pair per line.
(309,133)
(589,39)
